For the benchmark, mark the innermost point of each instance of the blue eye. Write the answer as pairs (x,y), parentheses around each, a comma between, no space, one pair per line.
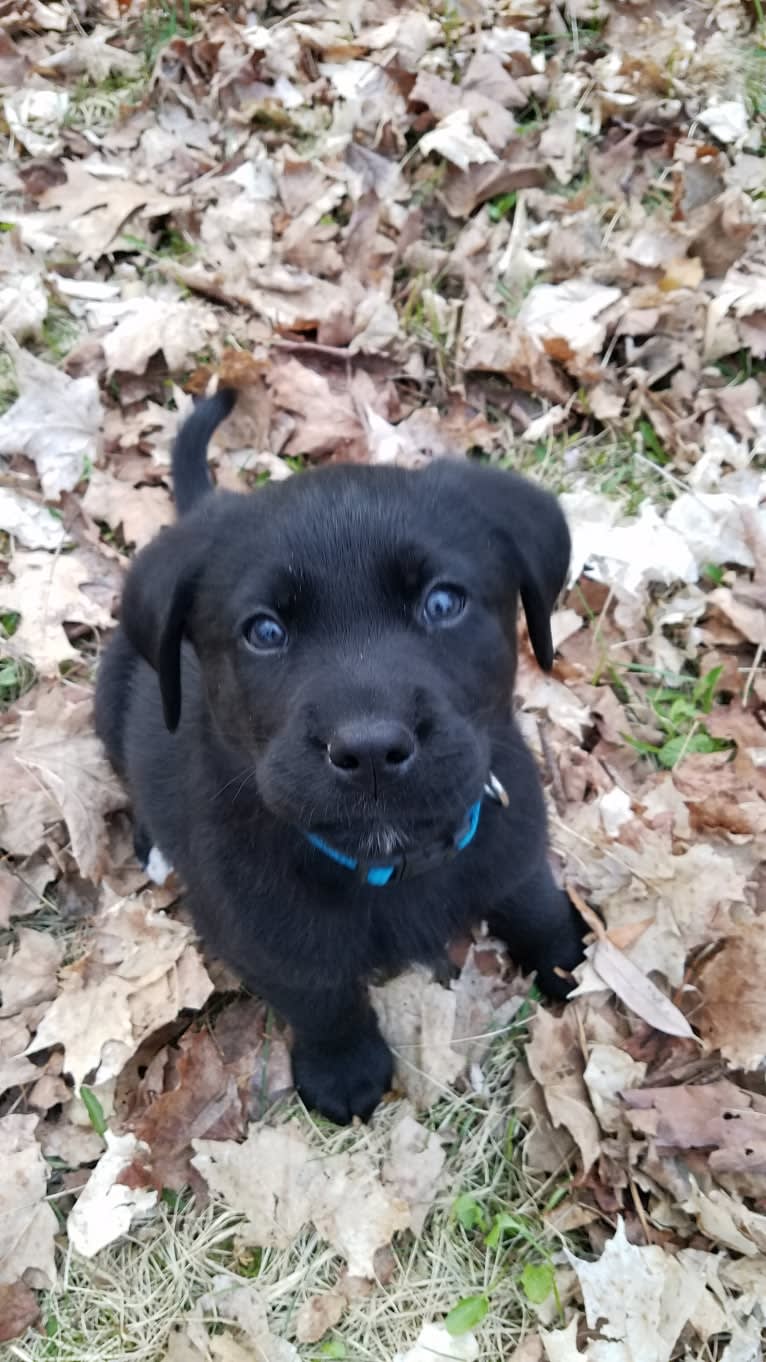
(265,633)
(443,604)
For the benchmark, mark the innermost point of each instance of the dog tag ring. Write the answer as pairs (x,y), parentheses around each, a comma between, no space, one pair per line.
(497,791)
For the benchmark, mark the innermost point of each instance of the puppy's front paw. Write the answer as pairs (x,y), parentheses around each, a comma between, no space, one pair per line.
(564,951)
(342,1084)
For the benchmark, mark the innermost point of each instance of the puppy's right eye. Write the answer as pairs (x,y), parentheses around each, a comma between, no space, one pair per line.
(264,633)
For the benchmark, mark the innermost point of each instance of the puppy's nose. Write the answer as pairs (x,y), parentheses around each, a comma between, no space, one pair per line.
(369,752)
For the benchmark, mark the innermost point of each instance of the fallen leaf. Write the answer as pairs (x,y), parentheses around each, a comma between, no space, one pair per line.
(454,139)
(568,312)
(639,1297)
(719,1117)
(242,1305)
(609,1074)
(140,512)
(317,1315)
(48,590)
(636,990)
(417,1018)
(205,1102)
(434,1341)
(726,1220)
(34,118)
(27,1221)
(732,1013)
(267,1179)
(106,1208)
(414,1168)
(19,1310)
(28,522)
(276,1180)
(555,1060)
(55,421)
(29,975)
(86,213)
(173,326)
(57,745)
(140,972)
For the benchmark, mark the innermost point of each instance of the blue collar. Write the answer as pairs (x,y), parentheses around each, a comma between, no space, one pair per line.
(404,866)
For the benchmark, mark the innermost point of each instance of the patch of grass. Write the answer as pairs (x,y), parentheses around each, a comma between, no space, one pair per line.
(491,1245)
(502,206)
(16,677)
(679,712)
(58,333)
(161,22)
(8,387)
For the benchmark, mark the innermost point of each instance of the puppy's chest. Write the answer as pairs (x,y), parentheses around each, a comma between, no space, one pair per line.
(413,923)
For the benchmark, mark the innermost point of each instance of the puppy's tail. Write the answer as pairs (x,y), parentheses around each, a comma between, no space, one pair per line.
(191,475)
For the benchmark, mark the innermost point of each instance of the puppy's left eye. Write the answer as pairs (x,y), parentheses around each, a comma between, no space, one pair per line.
(265,633)
(443,604)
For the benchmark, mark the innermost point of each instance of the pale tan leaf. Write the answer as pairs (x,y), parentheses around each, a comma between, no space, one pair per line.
(106,1208)
(555,1060)
(434,1341)
(27,1221)
(413,1169)
(49,589)
(55,421)
(636,990)
(29,974)
(732,1016)
(639,1297)
(317,1315)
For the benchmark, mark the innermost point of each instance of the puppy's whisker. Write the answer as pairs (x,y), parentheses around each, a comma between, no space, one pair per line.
(225,787)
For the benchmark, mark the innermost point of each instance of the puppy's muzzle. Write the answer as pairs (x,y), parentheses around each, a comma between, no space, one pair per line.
(370,754)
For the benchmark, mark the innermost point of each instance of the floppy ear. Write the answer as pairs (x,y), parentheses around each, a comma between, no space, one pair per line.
(158,596)
(530,531)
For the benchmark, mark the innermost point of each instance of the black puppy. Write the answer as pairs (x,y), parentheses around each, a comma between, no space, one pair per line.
(309,697)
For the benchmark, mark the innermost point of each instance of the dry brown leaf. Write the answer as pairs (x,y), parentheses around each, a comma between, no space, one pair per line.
(50,589)
(414,1167)
(86,214)
(317,1315)
(140,972)
(555,1060)
(140,512)
(29,975)
(205,1102)
(609,1073)
(57,746)
(719,1117)
(732,1014)
(175,327)
(19,1309)
(267,1179)
(726,1220)
(277,1181)
(55,421)
(27,1221)
(417,1018)
(515,354)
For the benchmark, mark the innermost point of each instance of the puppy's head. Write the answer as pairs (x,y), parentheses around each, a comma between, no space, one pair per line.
(355,634)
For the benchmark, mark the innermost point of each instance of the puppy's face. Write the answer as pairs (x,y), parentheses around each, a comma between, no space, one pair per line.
(355,631)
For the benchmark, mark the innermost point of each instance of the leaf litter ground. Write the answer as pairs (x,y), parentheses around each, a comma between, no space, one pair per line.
(521,231)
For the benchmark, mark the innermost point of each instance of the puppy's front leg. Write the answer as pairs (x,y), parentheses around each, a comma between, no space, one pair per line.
(543,930)
(341,1063)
